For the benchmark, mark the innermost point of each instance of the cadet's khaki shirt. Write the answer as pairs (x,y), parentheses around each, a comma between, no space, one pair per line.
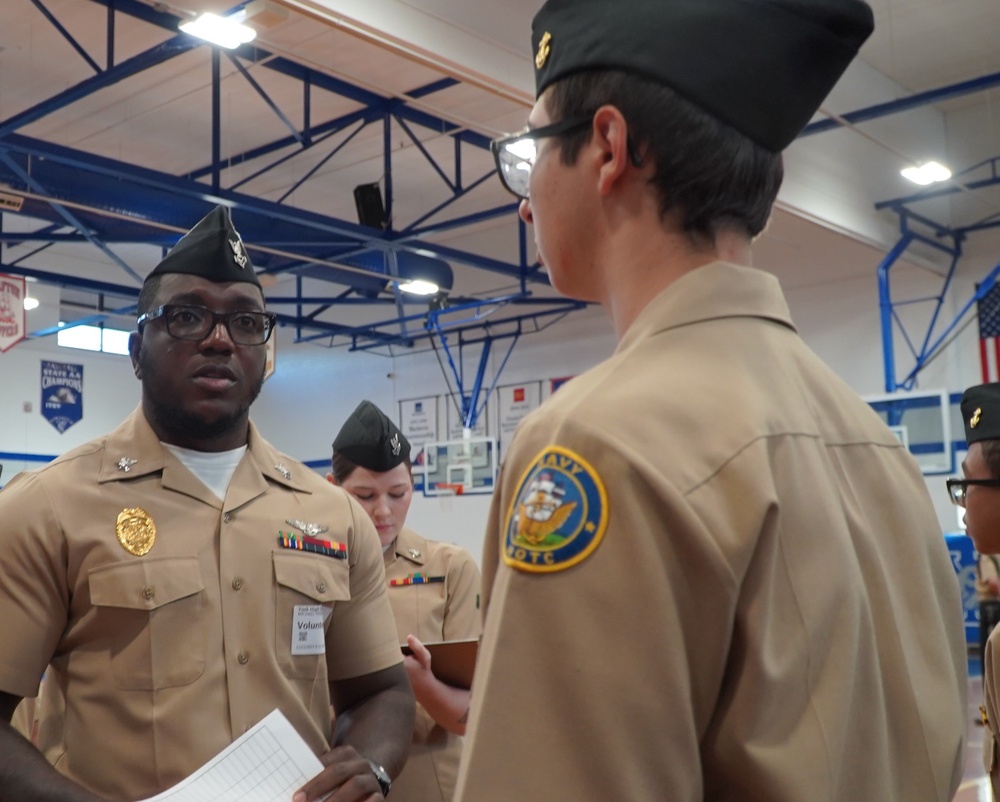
(162,660)
(991,716)
(771,613)
(435,611)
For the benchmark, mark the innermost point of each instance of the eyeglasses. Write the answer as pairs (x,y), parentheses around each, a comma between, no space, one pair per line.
(195,323)
(957,488)
(515,154)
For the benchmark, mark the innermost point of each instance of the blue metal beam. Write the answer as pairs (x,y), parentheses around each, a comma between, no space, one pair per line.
(928,98)
(136,64)
(67,36)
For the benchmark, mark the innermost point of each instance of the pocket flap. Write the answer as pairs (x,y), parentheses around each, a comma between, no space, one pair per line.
(320,578)
(145,584)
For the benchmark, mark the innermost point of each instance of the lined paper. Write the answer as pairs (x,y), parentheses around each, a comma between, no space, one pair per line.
(269,763)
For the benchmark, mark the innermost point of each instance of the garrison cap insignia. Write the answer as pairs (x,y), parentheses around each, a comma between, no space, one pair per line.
(136,530)
(544,49)
(974,420)
(125,464)
(239,255)
(559,515)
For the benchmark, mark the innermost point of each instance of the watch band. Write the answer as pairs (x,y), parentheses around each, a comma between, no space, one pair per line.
(382,776)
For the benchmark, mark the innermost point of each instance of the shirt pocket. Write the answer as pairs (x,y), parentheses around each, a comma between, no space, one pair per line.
(154,612)
(305,579)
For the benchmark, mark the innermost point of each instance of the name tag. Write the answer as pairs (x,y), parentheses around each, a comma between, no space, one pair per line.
(308,636)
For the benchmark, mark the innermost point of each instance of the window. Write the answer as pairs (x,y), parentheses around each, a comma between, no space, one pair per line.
(94,338)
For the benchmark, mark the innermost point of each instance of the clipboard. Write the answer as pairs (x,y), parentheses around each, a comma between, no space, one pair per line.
(452,661)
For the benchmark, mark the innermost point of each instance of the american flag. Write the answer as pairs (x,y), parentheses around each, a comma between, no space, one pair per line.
(989,334)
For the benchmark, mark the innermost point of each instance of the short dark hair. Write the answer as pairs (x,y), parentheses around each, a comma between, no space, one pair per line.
(342,467)
(707,171)
(147,295)
(991,455)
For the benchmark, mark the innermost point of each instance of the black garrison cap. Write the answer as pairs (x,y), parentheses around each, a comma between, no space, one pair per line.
(213,250)
(981,412)
(369,439)
(761,66)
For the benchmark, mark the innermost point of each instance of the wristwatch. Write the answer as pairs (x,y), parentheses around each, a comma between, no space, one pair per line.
(384,780)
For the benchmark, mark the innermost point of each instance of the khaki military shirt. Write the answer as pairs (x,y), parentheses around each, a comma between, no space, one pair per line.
(444,607)
(991,711)
(163,659)
(712,573)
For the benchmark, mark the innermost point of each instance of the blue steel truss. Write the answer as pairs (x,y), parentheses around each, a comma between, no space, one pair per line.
(918,228)
(87,198)
(103,201)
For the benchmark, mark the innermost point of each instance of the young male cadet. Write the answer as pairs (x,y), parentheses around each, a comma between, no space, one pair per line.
(711,572)
(158,572)
(979,492)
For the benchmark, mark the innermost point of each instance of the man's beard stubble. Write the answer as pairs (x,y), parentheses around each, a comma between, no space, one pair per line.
(188,426)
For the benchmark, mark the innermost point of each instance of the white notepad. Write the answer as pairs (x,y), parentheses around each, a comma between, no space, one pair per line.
(269,763)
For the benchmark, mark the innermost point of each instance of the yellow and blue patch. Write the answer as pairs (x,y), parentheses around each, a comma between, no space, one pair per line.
(559,514)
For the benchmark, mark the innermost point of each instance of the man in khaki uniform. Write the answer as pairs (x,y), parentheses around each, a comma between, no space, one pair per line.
(433,588)
(979,493)
(710,571)
(181,578)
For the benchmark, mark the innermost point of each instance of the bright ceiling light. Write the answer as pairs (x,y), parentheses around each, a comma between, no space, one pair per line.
(228,32)
(929,173)
(419,287)
(30,303)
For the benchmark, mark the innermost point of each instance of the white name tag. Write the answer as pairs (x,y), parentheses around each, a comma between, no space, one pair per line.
(308,636)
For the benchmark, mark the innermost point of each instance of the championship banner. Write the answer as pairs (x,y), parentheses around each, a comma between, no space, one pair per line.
(62,394)
(12,321)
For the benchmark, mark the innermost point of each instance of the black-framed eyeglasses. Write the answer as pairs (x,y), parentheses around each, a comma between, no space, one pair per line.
(515,154)
(195,323)
(957,488)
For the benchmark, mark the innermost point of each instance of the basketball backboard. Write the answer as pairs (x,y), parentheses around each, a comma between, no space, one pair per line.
(922,422)
(469,464)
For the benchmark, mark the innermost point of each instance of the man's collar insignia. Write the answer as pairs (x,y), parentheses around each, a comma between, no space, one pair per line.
(125,464)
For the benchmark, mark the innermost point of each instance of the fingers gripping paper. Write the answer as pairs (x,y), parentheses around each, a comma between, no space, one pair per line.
(269,763)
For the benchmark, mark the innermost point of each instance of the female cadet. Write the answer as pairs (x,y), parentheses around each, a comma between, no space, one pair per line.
(433,588)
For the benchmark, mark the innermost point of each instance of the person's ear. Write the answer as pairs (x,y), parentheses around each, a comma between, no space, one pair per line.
(330,479)
(610,137)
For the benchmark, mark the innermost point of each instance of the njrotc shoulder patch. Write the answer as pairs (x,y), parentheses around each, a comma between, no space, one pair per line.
(559,514)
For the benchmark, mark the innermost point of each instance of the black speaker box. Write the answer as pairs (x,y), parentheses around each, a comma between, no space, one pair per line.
(371,211)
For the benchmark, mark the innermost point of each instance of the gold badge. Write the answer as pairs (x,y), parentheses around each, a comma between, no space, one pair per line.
(974,420)
(136,530)
(543,50)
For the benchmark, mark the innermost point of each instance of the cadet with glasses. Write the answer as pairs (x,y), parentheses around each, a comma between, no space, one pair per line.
(691,574)
(978,492)
(159,573)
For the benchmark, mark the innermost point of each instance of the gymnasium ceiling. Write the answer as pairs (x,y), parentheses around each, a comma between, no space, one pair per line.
(118,132)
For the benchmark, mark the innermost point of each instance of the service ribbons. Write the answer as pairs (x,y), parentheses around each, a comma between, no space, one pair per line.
(415,579)
(329,548)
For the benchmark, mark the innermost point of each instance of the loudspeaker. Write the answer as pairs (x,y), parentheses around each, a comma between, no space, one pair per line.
(371,211)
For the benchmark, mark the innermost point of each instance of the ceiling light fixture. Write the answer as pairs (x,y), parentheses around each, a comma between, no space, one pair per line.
(228,32)
(30,303)
(423,275)
(928,173)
